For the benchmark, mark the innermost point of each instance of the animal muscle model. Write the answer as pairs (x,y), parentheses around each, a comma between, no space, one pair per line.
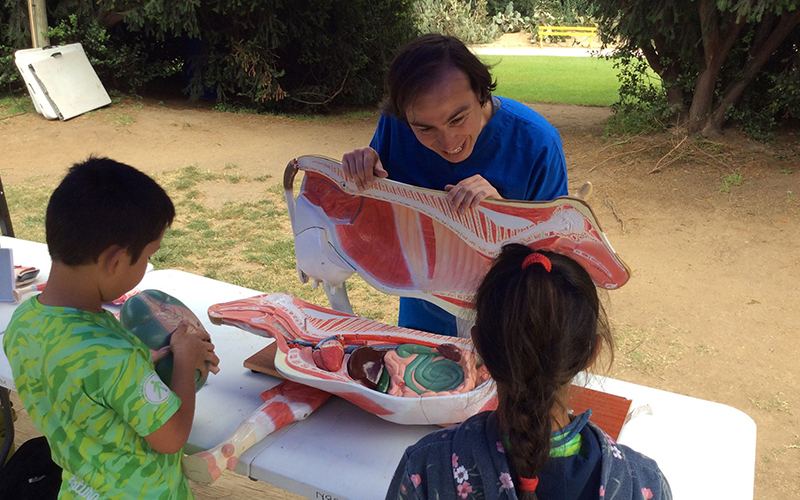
(283,404)
(407,241)
(402,375)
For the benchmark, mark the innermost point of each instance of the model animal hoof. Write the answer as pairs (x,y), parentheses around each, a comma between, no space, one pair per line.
(201,467)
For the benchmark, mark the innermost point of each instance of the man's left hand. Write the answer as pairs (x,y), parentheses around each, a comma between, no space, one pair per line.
(470,192)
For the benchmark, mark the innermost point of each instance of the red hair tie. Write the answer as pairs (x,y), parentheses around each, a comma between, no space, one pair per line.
(535,258)
(526,484)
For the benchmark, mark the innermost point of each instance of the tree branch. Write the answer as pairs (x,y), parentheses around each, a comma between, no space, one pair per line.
(328,99)
(653,59)
(716,46)
(787,22)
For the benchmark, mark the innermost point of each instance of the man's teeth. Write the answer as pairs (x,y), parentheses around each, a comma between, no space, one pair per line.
(455,151)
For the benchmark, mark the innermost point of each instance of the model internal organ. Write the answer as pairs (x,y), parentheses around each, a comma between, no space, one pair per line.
(153,315)
(424,371)
(285,403)
(402,375)
(407,241)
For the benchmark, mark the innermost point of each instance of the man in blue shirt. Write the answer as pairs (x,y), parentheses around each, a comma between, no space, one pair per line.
(442,129)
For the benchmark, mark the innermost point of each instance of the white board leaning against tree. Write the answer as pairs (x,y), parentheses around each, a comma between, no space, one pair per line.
(61,81)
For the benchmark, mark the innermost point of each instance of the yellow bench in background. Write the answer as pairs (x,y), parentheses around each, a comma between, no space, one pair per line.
(572,31)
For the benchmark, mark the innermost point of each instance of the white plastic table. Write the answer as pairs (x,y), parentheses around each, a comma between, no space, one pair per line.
(705,449)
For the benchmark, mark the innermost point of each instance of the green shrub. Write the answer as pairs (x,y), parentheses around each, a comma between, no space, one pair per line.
(289,55)
(266,54)
(15,34)
(123,60)
(510,20)
(468,21)
(642,104)
(774,95)
(524,7)
(785,92)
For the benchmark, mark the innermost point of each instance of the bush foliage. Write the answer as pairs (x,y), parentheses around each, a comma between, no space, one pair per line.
(264,53)
(730,61)
(467,21)
(14,34)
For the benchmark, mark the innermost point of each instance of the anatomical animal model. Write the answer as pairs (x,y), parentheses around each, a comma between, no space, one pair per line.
(407,241)
(402,375)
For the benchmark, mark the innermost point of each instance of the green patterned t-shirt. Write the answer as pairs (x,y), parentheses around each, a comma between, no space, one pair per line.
(90,388)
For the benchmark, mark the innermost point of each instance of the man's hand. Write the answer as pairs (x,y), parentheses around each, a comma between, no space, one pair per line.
(362,166)
(470,192)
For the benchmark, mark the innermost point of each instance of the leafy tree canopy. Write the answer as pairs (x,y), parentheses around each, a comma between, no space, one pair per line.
(712,55)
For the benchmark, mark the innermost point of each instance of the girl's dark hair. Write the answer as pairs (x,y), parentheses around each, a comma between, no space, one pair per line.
(419,65)
(535,330)
(101,203)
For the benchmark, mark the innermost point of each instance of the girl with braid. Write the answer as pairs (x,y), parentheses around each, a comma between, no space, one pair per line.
(538,323)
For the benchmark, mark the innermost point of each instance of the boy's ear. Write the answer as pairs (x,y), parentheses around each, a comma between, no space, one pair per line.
(111,258)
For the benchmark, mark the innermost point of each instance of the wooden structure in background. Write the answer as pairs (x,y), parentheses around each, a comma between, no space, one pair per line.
(37,11)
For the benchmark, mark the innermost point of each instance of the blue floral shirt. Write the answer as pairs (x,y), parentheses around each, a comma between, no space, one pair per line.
(469,462)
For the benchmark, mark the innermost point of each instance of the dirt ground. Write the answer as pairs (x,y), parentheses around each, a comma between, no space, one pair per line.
(711,310)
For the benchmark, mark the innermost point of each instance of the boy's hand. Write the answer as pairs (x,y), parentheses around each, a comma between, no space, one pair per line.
(191,348)
(194,348)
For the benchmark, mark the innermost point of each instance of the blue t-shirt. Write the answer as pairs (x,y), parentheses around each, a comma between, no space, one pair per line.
(517,151)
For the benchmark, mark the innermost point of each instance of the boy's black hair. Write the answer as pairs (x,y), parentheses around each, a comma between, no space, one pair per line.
(101,203)
(420,64)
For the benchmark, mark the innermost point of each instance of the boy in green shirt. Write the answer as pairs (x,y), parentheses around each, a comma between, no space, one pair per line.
(88,384)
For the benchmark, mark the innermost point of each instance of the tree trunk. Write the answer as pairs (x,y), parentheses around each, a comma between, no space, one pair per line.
(719,36)
(760,56)
(702,100)
(656,56)
(37,10)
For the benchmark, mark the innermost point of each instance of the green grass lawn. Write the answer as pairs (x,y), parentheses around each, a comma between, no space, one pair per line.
(588,81)
(14,104)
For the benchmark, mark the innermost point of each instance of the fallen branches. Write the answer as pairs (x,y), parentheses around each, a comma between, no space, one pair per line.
(610,204)
(618,155)
(658,167)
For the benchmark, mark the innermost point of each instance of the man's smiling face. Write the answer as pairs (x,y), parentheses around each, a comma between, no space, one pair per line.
(448,117)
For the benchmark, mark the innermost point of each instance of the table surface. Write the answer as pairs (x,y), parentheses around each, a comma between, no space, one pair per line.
(342,451)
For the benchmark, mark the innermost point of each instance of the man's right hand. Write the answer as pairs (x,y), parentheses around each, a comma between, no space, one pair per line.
(361,166)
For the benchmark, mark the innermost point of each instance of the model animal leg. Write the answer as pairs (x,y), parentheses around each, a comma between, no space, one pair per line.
(285,403)
(317,259)
(585,191)
(337,296)
(19,292)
